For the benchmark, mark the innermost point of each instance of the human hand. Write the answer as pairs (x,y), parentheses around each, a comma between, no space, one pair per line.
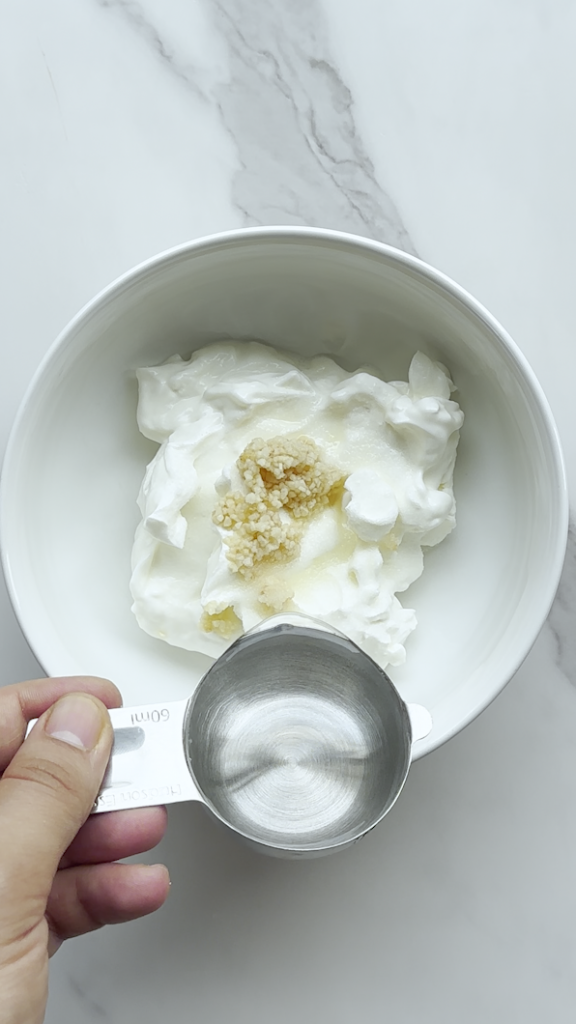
(57,872)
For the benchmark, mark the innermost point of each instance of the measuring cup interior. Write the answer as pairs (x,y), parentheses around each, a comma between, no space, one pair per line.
(297,739)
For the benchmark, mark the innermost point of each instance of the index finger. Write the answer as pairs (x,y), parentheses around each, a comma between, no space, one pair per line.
(21,702)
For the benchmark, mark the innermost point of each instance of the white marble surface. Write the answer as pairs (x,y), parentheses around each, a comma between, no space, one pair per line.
(445,128)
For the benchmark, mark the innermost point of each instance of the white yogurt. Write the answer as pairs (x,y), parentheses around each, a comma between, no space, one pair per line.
(393,444)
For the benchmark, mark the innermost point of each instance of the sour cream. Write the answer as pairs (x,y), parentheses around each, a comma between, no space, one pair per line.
(392,446)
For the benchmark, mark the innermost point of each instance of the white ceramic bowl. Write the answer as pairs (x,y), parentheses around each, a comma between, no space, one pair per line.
(75,457)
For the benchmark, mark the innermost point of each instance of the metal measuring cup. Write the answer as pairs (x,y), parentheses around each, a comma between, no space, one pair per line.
(294,739)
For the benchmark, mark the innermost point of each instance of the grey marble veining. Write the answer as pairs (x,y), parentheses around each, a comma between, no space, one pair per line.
(291,115)
(142,21)
(92,1007)
(562,618)
(288,111)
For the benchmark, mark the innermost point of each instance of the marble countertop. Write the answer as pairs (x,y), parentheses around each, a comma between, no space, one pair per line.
(446,129)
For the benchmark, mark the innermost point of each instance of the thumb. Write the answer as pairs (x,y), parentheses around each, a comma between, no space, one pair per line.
(46,794)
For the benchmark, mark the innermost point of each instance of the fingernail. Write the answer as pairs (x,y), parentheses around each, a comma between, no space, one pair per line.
(76,719)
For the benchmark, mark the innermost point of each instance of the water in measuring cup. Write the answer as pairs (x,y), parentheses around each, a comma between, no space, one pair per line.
(297,739)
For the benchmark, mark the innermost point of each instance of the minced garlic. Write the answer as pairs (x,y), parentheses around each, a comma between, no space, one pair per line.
(287,480)
(226,623)
(274,593)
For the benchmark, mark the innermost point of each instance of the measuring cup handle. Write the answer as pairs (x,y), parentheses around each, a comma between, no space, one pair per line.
(420,721)
(147,766)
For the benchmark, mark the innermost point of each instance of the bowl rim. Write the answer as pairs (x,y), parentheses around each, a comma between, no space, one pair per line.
(39,640)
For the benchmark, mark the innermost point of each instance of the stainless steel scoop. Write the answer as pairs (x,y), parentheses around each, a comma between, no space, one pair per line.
(294,739)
